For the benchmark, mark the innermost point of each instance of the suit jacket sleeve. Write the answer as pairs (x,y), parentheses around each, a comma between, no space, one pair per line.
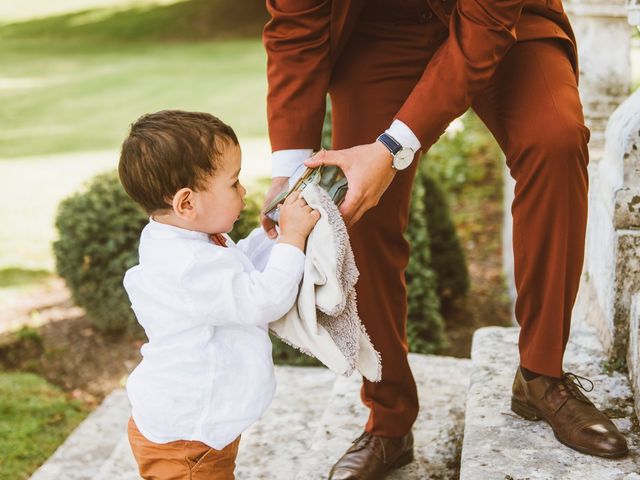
(481,32)
(298,69)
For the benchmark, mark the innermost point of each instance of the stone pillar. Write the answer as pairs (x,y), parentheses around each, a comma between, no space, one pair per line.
(630,218)
(603,37)
(633,11)
(612,261)
(508,263)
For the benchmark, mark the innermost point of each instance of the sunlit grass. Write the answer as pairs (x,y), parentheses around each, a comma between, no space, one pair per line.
(30,9)
(69,99)
(35,418)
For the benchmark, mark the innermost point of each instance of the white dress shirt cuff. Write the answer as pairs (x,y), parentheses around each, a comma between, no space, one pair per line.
(285,162)
(403,135)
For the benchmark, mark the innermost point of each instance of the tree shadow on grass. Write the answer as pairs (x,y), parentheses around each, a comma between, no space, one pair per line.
(190,20)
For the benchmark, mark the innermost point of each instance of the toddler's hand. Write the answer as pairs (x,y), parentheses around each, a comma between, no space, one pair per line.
(297,219)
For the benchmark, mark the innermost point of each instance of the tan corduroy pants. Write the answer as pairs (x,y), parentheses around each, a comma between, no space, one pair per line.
(181,460)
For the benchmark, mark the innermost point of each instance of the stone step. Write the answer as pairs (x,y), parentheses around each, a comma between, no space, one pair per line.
(85,450)
(442,385)
(498,444)
(273,444)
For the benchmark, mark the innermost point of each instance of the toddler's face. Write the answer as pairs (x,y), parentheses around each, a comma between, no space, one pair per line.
(220,201)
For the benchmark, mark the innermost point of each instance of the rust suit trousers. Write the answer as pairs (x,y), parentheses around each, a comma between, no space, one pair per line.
(532,108)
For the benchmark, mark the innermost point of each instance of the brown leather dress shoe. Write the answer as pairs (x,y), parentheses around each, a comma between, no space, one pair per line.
(372,457)
(575,421)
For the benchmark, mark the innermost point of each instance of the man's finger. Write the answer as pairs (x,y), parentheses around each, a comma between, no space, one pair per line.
(322,158)
(355,217)
(292,197)
(269,226)
(348,205)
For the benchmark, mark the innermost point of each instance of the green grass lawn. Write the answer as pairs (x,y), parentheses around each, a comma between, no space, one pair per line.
(76,98)
(74,75)
(75,80)
(35,418)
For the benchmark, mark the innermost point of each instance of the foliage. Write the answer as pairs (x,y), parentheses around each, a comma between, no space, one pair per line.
(143,21)
(99,229)
(425,327)
(446,255)
(250,215)
(447,162)
(326,127)
(35,418)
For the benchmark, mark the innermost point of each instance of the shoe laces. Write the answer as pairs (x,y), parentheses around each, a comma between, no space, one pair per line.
(367,438)
(572,384)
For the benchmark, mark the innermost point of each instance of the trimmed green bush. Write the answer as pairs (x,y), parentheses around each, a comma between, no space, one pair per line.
(447,162)
(250,215)
(99,229)
(446,257)
(425,326)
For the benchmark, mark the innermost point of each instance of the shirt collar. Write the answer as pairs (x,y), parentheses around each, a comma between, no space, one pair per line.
(157,228)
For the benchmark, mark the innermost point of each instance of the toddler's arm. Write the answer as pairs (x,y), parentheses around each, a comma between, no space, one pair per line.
(223,293)
(257,246)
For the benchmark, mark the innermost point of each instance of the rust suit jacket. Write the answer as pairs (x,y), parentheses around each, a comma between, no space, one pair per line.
(304,39)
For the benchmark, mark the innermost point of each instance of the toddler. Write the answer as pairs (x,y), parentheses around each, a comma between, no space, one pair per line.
(203,301)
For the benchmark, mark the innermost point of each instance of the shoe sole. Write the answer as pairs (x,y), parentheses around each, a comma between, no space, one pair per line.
(530,413)
(404,459)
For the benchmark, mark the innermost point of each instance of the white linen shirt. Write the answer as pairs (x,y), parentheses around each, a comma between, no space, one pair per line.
(207,371)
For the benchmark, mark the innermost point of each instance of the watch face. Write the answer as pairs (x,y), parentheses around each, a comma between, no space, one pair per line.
(403,158)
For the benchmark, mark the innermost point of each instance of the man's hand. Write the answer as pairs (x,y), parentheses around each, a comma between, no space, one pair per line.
(277,185)
(369,173)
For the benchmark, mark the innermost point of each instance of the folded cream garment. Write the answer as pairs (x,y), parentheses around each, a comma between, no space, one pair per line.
(324,321)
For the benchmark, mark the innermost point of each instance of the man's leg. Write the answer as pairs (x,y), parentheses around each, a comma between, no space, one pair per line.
(533,109)
(371,81)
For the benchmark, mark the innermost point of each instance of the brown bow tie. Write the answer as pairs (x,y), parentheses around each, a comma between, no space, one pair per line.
(218,239)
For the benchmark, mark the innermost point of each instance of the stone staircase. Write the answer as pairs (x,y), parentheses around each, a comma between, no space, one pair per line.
(465,428)
(498,444)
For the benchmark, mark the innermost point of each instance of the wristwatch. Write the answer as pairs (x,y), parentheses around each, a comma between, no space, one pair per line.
(402,156)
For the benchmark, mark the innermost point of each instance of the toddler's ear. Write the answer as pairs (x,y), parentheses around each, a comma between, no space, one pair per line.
(182,204)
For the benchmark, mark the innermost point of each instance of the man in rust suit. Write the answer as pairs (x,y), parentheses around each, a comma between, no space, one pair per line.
(398,72)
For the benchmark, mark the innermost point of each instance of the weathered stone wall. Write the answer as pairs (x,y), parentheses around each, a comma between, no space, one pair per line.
(612,263)
(634,348)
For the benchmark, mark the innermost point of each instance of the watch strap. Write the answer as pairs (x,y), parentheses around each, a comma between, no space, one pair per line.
(391,143)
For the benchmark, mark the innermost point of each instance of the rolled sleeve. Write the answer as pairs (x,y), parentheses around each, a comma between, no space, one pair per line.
(404,135)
